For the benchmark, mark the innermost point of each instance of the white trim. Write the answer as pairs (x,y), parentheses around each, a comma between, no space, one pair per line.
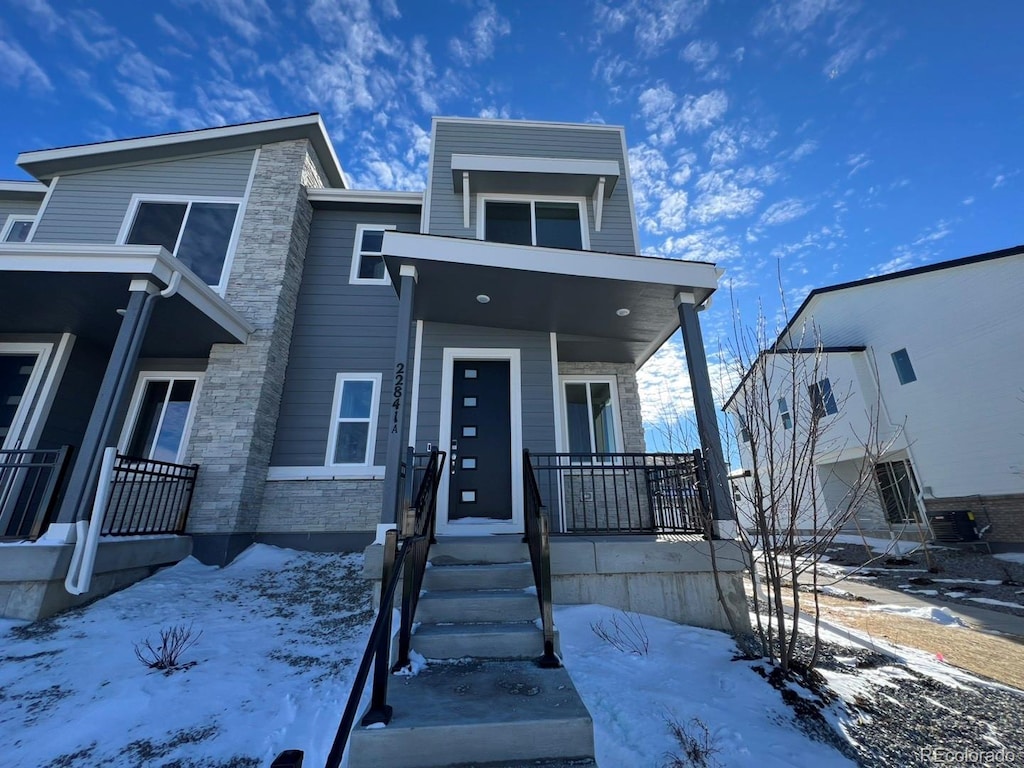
(558,261)
(48,392)
(374,196)
(598,203)
(42,208)
(371,431)
(494,197)
(229,255)
(425,211)
(16,436)
(629,193)
(9,225)
(562,166)
(450,355)
(466,200)
(539,123)
(151,260)
(339,472)
(357,254)
(414,416)
(597,378)
(23,187)
(555,395)
(135,406)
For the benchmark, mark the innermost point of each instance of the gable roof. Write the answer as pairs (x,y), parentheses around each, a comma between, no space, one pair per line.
(47,163)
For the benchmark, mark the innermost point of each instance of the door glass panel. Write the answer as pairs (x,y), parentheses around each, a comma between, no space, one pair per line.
(469,431)
(558,225)
(468,497)
(350,447)
(604,428)
(204,243)
(508,223)
(468,463)
(470,373)
(578,418)
(469,402)
(15,371)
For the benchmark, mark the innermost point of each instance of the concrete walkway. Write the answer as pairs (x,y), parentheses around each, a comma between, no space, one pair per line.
(978,618)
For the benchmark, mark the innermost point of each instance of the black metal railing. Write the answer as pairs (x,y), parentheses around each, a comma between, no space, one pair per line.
(409,563)
(30,485)
(148,497)
(536,529)
(617,493)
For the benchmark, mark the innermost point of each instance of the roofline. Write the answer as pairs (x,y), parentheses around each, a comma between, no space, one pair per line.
(538,123)
(44,163)
(364,196)
(22,188)
(938,266)
(777,350)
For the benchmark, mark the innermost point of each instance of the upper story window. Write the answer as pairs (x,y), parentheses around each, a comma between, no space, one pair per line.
(904,368)
(200,232)
(367,255)
(16,229)
(784,414)
(552,223)
(823,402)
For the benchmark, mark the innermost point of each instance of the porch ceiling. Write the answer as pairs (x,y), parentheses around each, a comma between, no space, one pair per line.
(46,290)
(575,294)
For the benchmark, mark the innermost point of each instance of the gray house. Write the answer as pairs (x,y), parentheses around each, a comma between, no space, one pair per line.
(207,339)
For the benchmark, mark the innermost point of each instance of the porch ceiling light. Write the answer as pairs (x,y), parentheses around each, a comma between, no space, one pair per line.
(622,312)
(483,298)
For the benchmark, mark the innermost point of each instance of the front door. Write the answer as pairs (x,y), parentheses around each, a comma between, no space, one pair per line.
(479,487)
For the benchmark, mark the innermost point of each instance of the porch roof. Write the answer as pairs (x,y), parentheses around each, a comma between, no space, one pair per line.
(576,294)
(50,288)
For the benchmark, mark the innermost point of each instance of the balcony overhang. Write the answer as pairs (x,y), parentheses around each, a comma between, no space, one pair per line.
(538,175)
(576,294)
(50,288)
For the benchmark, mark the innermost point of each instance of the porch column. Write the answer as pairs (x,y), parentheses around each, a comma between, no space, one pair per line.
(99,433)
(397,388)
(707,415)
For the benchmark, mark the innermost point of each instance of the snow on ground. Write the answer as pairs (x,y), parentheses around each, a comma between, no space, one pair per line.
(689,673)
(930,613)
(991,601)
(879,546)
(1011,557)
(272,668)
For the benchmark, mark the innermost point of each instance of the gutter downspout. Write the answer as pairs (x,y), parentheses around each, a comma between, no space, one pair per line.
(87,532)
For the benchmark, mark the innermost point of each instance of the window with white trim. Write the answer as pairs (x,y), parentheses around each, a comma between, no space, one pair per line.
(367,255)
(552,223)
(784,414)
(160,416)
(16,229)
(353,432)
(823,401)
(198,232)
(591,410)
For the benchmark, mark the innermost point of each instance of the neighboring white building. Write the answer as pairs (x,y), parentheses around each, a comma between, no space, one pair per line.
(935,357)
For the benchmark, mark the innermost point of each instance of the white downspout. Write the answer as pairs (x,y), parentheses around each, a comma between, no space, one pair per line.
(87,532)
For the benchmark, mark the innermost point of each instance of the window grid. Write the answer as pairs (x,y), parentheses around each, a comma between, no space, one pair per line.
(358,252)
(370,419)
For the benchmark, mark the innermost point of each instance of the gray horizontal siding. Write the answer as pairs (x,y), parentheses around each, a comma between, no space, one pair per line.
(445,215)
(18,208)
(338,328)
(535,360)
(90,207)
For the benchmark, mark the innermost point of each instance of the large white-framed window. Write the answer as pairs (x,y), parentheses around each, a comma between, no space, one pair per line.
(160,415)
(367,255)
(353,433)
(17,228)
(551,222)
(202,232)
(592,420)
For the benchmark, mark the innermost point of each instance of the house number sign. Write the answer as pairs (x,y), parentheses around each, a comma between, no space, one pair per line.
(396,405)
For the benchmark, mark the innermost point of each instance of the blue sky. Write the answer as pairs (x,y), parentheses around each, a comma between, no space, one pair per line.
(818,141)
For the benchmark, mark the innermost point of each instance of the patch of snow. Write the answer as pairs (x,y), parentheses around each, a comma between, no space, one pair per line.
(986,582)
(990,601)
(912,590)
(879,546)
(416,665)
(1010,557)
(930,613)
(956,594)
(835,592)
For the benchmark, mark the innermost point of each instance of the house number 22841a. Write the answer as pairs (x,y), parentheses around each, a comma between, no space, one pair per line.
(396,404)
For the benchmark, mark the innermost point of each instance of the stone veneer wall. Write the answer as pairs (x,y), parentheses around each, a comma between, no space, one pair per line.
(629,398)
(321,506)
(236,416)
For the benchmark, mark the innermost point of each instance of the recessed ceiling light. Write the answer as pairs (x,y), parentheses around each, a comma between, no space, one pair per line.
(622,312)
(483,298)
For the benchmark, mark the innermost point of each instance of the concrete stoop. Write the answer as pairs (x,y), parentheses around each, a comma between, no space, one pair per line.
(479,713)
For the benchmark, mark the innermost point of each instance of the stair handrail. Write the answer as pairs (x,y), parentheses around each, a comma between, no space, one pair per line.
(536,529)
(415,545)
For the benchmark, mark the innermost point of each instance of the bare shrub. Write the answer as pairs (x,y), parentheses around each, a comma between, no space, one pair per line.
(626,634)
(697,745)
(174,641)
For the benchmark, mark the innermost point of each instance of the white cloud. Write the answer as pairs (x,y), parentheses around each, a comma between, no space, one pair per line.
(655,23)
(252,19)
(42,14)
(968,200)
(920,250)
(785,211)
(495,113)
(723,196)
(222,102)
(793,16)
(857,163)
(18,68)
(807,147)
(175,33)
(660,201)
(703,111)
(484,30)
(700,53)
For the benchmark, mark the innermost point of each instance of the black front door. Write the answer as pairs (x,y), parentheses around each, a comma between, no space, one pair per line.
(480,490)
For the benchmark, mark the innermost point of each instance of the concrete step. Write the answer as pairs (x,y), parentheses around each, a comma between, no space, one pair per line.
(520,640)
(468,550)
(481,713)
(476,606)
(492,576)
